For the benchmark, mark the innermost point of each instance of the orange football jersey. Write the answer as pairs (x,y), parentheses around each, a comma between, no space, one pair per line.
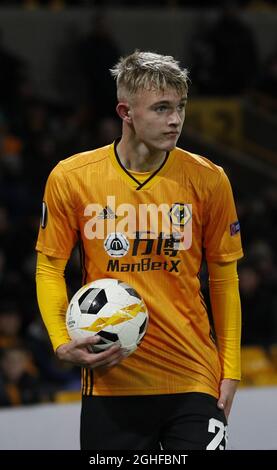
(113,212)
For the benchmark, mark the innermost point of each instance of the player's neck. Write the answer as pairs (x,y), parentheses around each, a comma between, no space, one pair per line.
(136,156)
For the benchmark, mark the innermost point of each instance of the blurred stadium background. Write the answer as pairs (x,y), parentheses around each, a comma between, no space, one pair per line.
(56,99)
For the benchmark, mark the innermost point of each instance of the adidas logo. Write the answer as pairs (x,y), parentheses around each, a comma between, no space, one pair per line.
(107,213)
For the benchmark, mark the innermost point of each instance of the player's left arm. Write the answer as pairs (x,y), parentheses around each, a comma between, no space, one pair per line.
(226,310)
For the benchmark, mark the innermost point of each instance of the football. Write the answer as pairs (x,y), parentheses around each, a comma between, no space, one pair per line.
(110,309)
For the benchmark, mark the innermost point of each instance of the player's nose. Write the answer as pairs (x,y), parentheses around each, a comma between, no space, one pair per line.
(175,118)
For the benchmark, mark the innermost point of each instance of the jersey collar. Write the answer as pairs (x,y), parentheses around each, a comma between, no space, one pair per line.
(129,178)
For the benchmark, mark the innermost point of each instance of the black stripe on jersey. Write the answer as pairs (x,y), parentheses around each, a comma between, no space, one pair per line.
(203,303)
(84,382)
(200,292)
(202,296)
(209,313)
(87,382)
(208,310)
(119,162)
(153,174)
(90,382)
(140,185)
(211,322)
(82,260)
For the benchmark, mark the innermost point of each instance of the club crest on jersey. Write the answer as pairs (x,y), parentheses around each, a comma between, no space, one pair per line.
(116,245)
(180,214)
(44,215)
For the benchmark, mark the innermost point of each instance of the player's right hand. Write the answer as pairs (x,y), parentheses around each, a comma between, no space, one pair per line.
(78,352)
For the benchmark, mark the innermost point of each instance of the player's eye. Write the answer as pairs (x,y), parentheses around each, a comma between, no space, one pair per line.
(181,107)
(161,108)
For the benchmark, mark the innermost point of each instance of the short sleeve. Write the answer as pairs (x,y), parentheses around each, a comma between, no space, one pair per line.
(58,230)
(222,241)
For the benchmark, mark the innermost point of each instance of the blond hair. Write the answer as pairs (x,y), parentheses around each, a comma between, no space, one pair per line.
(148,70)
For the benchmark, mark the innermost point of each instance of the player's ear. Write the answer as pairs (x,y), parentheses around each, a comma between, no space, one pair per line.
(123,112)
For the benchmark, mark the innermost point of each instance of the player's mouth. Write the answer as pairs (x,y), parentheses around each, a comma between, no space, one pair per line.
(172,134)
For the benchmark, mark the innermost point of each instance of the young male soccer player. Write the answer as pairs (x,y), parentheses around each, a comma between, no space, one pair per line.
(177,389)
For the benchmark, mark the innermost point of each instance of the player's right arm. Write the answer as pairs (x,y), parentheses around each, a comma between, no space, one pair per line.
(52,300)
(57,237)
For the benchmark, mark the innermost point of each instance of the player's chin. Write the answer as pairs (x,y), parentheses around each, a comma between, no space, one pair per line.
(170,143)
(170,146)
(165,145)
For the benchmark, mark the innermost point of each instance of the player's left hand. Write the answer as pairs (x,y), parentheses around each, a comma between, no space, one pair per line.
(228,389)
